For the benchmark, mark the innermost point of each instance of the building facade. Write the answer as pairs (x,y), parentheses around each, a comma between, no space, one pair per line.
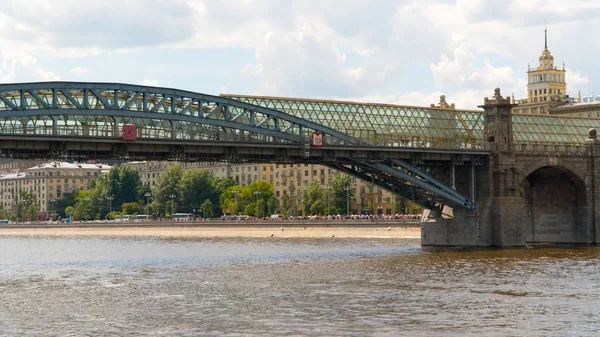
(287,179)
(48,182)
(546,86)
(547,92)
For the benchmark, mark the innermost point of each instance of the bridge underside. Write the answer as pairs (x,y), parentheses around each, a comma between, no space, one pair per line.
(402,151)
(410,173)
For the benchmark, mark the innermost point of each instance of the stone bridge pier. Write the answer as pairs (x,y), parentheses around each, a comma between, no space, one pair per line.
(525,193)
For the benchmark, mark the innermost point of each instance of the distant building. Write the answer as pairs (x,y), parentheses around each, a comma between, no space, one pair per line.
(547,91)
(48,182)
(287,179)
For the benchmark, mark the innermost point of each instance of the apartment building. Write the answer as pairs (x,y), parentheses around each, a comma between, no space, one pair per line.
(48,182)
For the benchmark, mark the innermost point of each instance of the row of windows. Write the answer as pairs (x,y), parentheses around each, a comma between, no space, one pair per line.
(535,92)
(546,78)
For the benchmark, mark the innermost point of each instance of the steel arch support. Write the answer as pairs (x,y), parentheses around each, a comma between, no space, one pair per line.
(427,183)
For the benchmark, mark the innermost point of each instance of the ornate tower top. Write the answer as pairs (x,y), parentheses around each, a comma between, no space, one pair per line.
(546,59)
(497,99)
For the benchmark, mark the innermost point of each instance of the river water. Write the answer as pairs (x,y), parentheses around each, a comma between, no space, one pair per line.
(76,286)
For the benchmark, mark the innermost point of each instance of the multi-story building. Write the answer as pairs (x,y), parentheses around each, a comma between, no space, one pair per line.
(48,182)
(547,92)
(287,179)
(546,86)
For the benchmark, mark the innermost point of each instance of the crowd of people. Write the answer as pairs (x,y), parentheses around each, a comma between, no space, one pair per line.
(400,217)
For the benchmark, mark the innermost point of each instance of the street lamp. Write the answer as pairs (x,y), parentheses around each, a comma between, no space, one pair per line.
(235,192)
(257,193)
(347,189)
(328,191)
(110,199)
(53,203)
(172,203)
(147,196)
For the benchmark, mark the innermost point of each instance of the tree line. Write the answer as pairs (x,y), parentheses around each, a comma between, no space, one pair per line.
(198,191)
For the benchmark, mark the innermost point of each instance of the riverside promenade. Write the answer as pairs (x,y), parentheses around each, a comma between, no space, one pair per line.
(219,228)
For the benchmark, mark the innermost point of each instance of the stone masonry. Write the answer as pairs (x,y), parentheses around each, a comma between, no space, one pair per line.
(525,193)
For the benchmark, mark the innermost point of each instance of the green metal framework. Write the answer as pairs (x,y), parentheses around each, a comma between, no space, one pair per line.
(386,124)
(99,110)
(417,127)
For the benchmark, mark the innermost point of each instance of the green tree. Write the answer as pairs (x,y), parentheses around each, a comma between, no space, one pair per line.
(196,186)
(207,208)
(318,207)
(260,208)
(69,211)
(314,192)
(400,206)
(130,208)
(124,183)
(272,205)
(286,206)
(27,207)
(342,187)
(167,185)
(231,201)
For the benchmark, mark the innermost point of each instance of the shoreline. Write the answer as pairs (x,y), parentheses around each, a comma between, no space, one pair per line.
(200,230)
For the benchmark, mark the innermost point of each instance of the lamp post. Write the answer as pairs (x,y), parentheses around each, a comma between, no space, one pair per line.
(110,199)
(257,193)
(235,192)
(347,189)
(172,203)
(53,203)
(328,192)
(147,196)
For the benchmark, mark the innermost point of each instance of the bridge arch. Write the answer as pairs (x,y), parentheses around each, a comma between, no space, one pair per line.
(556,202)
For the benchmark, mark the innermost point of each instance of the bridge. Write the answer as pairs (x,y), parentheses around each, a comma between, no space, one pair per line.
(487,178)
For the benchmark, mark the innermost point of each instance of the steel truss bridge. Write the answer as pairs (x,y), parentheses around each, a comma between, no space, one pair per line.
(401,149)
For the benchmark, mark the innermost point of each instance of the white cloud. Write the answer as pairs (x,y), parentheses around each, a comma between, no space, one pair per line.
(151,83)
(79,70)
(407,52)
(23,67)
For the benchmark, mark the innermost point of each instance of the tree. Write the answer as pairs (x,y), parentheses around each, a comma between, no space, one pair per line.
(207,208)
(272,205)
(286,206)
(124,183)
(342,187)
(246,197)
(167,185)
(196,185)
(69,211)
(130,208)
(260,208)
(231,201)
(27,207)
(314,191)
(318,207)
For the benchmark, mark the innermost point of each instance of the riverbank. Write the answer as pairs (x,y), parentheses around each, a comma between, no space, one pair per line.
(240,229)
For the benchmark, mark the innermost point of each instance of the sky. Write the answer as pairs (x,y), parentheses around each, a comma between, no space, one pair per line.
(380,51)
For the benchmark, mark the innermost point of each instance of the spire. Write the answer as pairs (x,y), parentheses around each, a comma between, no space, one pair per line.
(545,37)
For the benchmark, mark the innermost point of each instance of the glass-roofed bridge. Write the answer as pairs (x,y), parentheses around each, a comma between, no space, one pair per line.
(391,145)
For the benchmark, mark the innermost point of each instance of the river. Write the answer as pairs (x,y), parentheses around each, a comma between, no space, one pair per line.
(95,286)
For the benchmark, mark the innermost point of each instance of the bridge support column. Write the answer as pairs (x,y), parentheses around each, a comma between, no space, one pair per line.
(592,180)
(501,214)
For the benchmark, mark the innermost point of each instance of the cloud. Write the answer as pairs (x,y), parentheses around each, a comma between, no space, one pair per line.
(106,25)
(79,70)
(151,83)
(23,67)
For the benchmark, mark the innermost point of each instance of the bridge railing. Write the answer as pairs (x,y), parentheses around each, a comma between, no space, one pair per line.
(568,149)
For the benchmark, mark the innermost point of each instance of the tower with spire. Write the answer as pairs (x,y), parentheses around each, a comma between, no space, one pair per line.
(546,85)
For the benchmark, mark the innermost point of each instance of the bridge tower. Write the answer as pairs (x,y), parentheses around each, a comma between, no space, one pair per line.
(502,205)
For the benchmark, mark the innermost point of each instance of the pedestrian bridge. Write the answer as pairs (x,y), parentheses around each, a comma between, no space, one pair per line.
(426,154)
